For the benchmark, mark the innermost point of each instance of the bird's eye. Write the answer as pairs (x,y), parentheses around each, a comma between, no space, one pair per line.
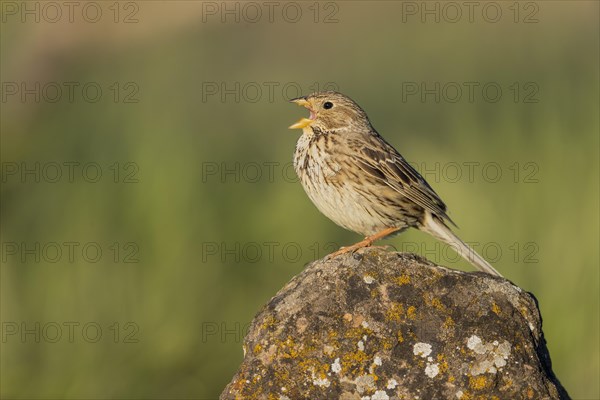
(327,105)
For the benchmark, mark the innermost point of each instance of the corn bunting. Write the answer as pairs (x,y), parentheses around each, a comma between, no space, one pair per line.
(361,182)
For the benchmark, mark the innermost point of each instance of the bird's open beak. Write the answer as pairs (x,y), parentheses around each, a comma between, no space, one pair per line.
(304,122)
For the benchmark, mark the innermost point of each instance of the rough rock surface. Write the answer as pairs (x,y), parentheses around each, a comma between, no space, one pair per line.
(377,325)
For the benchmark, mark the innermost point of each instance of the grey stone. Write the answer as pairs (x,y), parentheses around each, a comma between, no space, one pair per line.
(377,325)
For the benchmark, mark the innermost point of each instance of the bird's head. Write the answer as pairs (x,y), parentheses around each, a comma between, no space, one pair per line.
(330,112)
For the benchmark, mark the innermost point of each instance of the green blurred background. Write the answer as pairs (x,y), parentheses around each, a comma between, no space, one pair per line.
(197,212)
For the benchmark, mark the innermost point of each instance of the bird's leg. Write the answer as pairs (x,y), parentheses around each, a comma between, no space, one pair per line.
(366,242)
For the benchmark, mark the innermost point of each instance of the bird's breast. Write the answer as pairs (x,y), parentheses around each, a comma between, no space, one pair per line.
(315,160)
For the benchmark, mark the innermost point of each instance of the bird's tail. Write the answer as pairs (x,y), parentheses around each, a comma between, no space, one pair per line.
(436,228)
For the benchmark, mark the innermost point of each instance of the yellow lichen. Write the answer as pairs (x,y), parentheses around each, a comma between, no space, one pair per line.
(466,396)
(257,348)
(269,323)
(332,334)
(400,337)
(411,312)
(357,332)
(354,363)
(442,363)
(395,312)
(313,367)
(402,279)
(448,323)
(478,382)
(496,309)
(435,302)
(287,348)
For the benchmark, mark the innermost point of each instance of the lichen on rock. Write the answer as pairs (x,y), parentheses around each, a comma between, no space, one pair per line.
(384,325)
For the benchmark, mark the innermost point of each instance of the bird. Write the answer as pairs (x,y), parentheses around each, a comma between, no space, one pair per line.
(361,182)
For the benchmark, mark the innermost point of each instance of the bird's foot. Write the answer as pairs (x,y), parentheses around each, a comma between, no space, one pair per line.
(367,242)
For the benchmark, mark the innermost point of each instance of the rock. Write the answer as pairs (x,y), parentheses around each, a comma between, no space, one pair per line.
(378,325)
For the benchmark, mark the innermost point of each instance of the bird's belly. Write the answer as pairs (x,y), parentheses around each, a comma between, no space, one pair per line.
(340,205)
(343,199)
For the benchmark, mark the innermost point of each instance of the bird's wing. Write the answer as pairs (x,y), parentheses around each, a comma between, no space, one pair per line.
(381,161)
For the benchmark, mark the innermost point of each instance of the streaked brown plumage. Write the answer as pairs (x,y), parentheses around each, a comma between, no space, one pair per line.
(361,182)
